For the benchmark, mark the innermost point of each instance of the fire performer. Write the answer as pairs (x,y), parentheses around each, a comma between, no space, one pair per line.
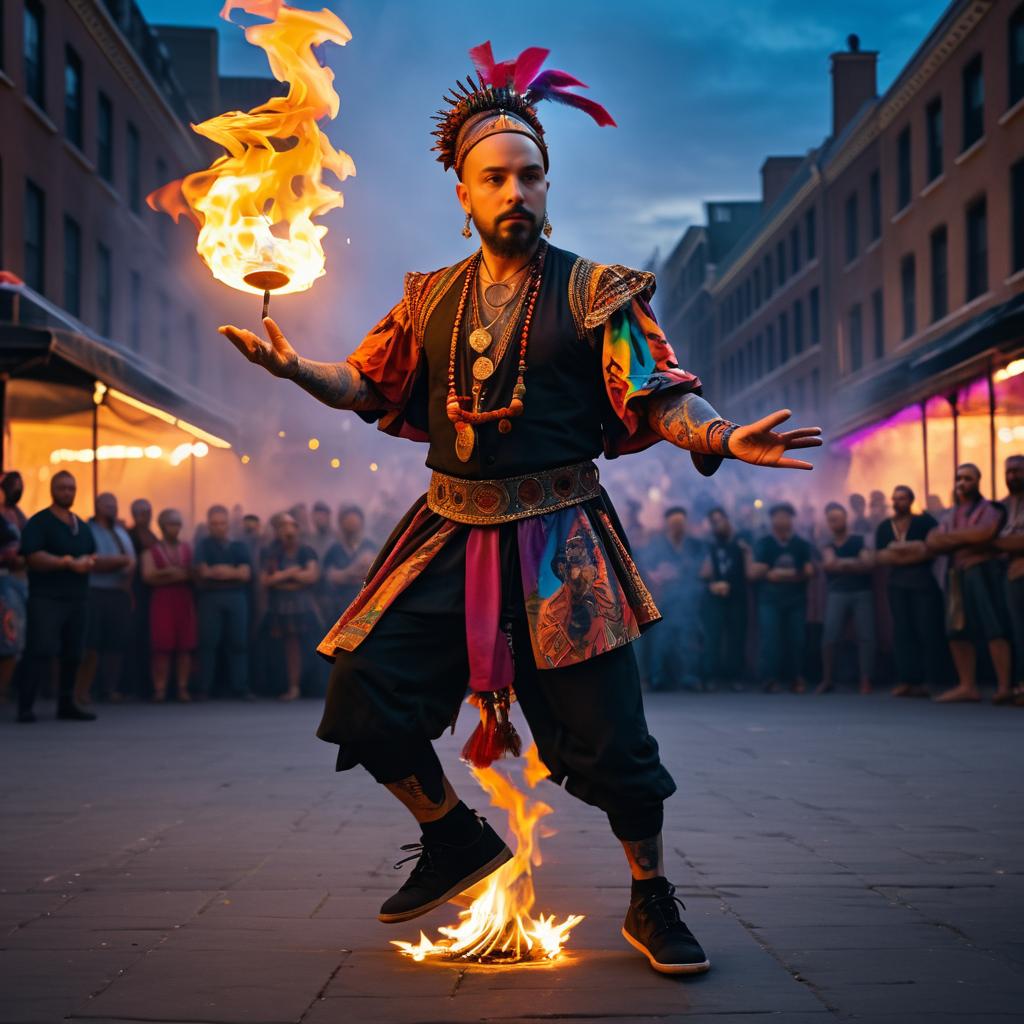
(518,366)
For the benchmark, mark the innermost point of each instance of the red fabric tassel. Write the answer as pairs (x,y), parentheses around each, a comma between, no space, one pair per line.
(495,736)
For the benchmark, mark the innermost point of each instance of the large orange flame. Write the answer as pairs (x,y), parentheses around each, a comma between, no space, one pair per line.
(254,206)
(498,927)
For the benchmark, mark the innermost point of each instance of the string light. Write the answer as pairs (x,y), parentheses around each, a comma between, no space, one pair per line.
(245,460)
(114,452)
(335,463)
(314,443)
(280,433)
(1013,369)
(373,467)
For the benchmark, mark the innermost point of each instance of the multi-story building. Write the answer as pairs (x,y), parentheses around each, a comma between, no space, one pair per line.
(113,298)
(881,290)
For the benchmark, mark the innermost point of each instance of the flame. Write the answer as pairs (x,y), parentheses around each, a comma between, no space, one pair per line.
(254,206)
(498,926)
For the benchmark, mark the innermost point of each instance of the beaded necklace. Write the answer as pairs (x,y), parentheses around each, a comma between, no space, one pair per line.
(465,419)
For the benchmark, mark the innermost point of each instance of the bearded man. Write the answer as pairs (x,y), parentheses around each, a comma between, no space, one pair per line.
(518,366)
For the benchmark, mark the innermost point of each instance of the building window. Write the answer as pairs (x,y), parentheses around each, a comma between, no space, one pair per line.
(105,137)
(73,97)
(757,287)
(856,339)
(908,284)
(104,290)
(783,338)
(769,344)
(35,52)
(134,168)
(72,266)
(903,175)
(977,249)
(780,259)
(875,204)
(933,132)
(759,354)
(1017,214)
(794,250)
(798,327)
(135,310)
(940,273)
(35,237)
(1015,36)
(878,315)
(850,218)
(973,102)
(810,233)
(814,311)
(769,278)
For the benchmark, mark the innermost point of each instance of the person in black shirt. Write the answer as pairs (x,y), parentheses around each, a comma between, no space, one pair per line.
(725,605)
(223,574)
(915,600)
(782,565)
(347,561)
(848,565)
(60,552)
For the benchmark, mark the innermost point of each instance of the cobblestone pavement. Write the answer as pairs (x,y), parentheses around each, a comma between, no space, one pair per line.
(842,858)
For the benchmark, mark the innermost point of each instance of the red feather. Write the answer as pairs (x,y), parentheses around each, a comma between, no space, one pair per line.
(527,66)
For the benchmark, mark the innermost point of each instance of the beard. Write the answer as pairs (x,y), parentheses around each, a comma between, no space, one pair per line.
(519,238)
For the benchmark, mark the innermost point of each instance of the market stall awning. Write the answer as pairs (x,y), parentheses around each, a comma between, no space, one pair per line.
(39,341)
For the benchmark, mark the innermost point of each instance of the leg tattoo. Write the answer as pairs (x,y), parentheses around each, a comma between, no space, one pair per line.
(421,804)
(645,856)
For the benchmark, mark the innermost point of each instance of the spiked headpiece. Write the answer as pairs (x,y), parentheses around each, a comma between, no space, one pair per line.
(503,99)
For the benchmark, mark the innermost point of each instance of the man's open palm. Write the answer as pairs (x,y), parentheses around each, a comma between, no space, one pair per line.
(761,444)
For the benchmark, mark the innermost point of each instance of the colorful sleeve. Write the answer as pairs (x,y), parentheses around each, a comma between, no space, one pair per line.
(636,361)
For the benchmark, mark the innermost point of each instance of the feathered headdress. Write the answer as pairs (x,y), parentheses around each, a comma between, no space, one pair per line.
(503,98)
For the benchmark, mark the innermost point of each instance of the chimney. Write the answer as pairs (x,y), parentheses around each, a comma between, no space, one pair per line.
(775,174)
(853,82)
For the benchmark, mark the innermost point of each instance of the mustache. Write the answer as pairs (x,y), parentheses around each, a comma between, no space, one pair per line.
(519,211)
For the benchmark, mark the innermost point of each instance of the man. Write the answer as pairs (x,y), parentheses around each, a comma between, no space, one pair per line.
(878,511)
(12,487)
(13,582)
(252,538)
(915,599)
(974,608)
(348,561)
(110,603)
(782,566)
(848,564)
(517,365)
(859,512)
(672,654)
(1011,540)
(60,552)
(725,607)
(223,573)
(138,677)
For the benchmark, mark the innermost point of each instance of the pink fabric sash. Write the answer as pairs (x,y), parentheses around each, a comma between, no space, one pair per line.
(490,660)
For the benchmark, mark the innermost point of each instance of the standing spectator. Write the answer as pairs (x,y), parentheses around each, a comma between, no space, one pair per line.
(974,600)
(725,606)
(915,599)
(289,571)
(59,550)
(878,512)
(858,513)
(848,565)
(13,580)
(12,487)
(223,574)
(782,563)
(347,562)
(252,538)
(672,649)
(167,568)
(321,539)
(137,676)
(110,603)
(1011,540)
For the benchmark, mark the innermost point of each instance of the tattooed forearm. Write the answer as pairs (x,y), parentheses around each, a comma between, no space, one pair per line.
(644,856)
(689,422)
(339,385)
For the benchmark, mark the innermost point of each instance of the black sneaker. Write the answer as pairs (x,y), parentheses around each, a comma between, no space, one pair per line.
(73,713)
(654,927)
(443,871)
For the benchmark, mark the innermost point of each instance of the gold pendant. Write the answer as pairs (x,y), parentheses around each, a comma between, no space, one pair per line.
(482,368)
(480,340)
(465,439)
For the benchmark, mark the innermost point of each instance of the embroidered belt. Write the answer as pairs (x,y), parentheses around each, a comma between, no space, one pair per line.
(489,502)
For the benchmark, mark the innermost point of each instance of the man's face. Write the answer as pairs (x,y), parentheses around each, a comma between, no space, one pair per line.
(968,482)
(351,524)
(857,504)
(13,487)
(782,522)
(720,525)
(675,526)
(1015,475)
(251,525)
(901,502)
(106,507)
(142,513)
(62,490)
(504,188)
(836,519)
(170,527)
(217,524)
(286,529)
(321,519)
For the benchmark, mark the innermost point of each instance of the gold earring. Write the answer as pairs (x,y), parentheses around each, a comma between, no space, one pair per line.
(466,233)
(547,229)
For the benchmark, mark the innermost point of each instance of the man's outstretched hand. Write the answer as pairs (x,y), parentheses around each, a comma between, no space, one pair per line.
(761,444)
(277,357)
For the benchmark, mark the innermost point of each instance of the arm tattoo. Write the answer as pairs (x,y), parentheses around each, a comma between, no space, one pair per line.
(688,421)
(339,385)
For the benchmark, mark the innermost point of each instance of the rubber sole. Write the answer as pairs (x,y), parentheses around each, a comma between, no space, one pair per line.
(666,968)
(460,886)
